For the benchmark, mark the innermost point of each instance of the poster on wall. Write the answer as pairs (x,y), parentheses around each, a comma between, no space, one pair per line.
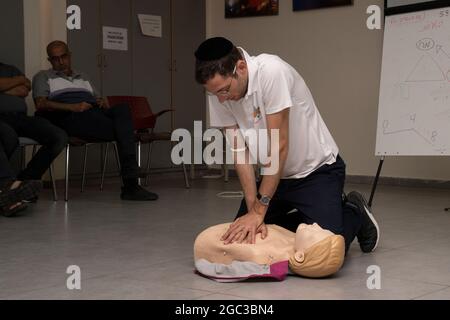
(151,25)
(316,4)
(115,38)
(250,8)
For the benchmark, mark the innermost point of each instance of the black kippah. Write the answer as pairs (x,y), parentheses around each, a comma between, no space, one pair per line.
(214,49)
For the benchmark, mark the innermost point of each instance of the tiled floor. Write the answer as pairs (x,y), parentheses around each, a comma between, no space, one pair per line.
(144,250)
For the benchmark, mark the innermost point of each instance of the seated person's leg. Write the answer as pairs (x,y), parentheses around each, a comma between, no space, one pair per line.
(8,144)
(52,139)
(9,200)
(96,125)
(122,123)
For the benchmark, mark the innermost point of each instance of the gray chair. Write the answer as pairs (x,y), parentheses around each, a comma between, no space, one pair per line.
(105,160)
(144,122)
(78,142)
(25,142)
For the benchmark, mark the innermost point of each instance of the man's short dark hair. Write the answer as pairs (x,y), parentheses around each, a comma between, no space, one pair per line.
(56,43)
(209,59)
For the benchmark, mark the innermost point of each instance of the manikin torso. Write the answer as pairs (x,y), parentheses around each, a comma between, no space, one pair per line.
(279,245)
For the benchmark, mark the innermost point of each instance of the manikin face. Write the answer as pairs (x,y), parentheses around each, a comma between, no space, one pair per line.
(308,235)
(231,87)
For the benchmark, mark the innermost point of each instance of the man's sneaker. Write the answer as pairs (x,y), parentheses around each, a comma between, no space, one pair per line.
(369,233)
(27,190)
(137,193)
(13,210)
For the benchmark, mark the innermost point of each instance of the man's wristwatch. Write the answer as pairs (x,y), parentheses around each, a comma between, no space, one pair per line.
(263,199)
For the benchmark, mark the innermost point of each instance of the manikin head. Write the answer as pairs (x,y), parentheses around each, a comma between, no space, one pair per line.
(311,252)
(318,252)
(221,69)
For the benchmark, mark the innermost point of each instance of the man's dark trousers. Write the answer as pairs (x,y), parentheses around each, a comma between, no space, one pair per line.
(52,139)
(317,198)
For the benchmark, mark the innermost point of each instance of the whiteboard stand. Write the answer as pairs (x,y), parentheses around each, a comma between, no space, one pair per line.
(375,182)
(414,108)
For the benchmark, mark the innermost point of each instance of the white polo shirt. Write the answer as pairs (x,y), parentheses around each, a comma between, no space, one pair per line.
(272,87)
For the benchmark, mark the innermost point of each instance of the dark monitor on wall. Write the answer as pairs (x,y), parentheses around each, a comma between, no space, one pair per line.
(403,6)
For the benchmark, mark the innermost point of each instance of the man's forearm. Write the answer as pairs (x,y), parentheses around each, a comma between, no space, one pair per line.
(9,83)
(19,91)
(270,183)
(45,104)
(246,176)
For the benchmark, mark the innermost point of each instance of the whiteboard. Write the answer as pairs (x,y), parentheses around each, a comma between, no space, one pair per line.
(414,102)
(397,3)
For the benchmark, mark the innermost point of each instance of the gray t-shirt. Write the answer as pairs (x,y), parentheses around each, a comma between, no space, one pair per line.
(10,103)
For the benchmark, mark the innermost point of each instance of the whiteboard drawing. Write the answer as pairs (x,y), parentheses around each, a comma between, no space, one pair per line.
(414,104)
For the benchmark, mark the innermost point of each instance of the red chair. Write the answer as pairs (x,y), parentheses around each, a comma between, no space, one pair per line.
(144,122)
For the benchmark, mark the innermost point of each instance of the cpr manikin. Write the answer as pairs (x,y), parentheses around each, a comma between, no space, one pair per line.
(310,252)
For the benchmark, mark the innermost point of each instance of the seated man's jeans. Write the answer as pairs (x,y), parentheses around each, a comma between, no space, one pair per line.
(51,138)
(113,124)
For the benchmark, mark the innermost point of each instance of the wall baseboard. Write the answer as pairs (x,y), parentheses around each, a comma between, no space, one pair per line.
(357,179)
(388,181)
(76,177)
(400,182)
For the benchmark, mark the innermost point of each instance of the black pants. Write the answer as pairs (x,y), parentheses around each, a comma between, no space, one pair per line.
(113,124)
(15,125)
(317,198)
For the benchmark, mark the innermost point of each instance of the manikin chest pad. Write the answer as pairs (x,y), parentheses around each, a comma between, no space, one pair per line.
(267,258)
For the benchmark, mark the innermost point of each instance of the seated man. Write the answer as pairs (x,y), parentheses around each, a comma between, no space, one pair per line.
(310,252)
(68,99)
(14,123)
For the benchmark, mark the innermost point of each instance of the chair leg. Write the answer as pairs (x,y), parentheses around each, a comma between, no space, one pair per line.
(83,178)
(52,178)
(149,157)
(22,158)
(192,171)
(186,180)
(226,173)
(66,194)
(139,158)
(105,160)
(116,154)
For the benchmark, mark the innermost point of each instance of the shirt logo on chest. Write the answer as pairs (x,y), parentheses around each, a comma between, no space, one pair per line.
(257,115)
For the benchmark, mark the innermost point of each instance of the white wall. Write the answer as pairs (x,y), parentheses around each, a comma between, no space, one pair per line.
(44,21)
(340,60)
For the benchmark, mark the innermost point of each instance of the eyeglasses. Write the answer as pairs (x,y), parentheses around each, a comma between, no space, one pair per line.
(58,58)
(226,91)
